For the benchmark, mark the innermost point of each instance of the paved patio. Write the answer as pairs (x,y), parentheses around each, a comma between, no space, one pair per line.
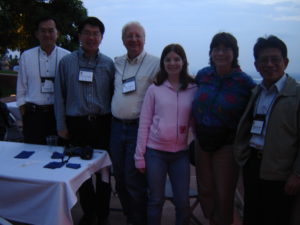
(117,217)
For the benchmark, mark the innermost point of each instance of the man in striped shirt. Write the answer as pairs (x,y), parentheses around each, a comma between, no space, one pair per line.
(83,92)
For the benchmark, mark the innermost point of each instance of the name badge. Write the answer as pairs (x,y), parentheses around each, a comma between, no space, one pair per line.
(258,124)
(47,86)
(129,85)
(86,76)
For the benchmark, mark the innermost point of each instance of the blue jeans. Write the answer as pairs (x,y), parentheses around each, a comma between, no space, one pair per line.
(177,166)
(131,185)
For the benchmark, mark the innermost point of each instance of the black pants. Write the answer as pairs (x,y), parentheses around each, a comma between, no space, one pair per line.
(93,132)
(265,200)
(2,132)
(38,123)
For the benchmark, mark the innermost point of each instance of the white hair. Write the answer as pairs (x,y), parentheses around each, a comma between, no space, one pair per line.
(132,23)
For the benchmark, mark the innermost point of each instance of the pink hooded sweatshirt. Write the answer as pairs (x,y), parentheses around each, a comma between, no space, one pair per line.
(164,120)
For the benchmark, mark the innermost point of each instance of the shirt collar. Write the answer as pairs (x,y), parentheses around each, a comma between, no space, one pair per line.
(137,59)
(53,52)
(278,85)
(81,53)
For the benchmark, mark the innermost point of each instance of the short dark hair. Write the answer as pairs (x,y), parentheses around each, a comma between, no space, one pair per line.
(229,41)
(269,42)
(43,19)
(93,21)
(162,74)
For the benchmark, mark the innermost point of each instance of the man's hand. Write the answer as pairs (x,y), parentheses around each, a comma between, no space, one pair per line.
(63,134)
(292,186)
(22,109)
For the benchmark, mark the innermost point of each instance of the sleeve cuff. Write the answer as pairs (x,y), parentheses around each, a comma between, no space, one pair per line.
(140,163)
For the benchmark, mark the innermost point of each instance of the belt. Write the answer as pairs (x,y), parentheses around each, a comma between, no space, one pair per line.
(93,117)
(256,152)
(38,108)
(90,117)
(127,122)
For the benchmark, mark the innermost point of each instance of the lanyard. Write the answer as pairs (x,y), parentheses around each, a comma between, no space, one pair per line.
(136,70)
(40,64)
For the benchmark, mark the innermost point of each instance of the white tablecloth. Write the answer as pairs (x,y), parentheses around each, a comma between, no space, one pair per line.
(32,194)
(13,108)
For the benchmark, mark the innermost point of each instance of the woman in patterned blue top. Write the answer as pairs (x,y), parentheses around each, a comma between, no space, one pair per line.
(218,104)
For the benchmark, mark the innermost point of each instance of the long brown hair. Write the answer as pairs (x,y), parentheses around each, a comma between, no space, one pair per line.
(162,74)
(229,41)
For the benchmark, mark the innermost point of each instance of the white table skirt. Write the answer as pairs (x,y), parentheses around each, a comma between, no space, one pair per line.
(32,194)
(13,108)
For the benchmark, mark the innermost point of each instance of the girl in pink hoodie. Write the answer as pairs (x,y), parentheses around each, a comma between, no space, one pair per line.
(163,135)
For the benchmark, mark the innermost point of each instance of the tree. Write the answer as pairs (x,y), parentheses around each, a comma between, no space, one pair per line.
(18,18)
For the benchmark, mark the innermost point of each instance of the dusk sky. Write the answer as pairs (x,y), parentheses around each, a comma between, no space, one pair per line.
(193,23)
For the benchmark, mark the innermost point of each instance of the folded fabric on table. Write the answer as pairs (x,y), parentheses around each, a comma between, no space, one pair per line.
(73,165)
(24,154)
(54,165)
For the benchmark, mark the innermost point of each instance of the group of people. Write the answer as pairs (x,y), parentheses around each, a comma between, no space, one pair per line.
(142,109)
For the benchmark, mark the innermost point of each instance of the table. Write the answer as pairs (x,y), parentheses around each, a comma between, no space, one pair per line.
(32,194)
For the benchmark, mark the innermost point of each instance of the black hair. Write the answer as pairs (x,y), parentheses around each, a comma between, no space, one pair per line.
(93,21)
(269,42)
(43,19)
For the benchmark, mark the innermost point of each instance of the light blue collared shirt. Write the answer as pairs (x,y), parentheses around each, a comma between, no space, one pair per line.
(264,104)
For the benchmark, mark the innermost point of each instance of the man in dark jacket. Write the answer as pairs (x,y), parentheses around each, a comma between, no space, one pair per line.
(268,141)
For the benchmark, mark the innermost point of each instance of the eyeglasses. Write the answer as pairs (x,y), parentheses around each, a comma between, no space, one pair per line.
(271,59)
(133,36)
(44,31)
(91,34)
(221,49)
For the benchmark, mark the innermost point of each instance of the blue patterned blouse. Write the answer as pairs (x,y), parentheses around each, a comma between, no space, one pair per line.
(220,101)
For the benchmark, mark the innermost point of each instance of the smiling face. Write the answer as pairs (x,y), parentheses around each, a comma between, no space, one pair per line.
(222,56)
(134,40)
(47,34)
(271,65)
(173,64)
(90,38)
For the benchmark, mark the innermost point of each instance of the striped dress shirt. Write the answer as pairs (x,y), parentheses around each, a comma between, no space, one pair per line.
(78,98)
